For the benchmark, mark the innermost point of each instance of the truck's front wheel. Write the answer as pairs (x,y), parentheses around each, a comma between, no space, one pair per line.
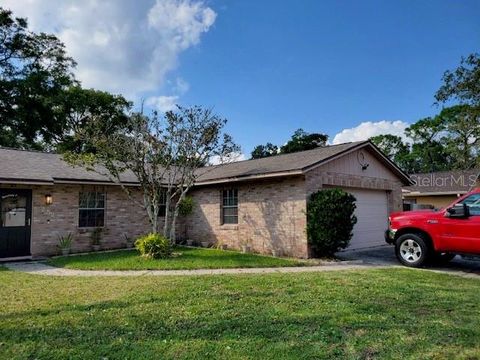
(412,250)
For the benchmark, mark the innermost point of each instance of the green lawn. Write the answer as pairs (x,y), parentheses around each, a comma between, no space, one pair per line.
(187,258)
(381,314)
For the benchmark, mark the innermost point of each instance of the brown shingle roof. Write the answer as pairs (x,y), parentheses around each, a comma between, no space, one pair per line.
(446,182)
(284,163)
(35,166)
(31,166)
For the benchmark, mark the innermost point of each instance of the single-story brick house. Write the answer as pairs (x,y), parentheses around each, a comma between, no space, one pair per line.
(438,189)
(261,202)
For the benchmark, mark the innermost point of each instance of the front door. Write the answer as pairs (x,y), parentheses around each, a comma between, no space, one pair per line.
(15,222)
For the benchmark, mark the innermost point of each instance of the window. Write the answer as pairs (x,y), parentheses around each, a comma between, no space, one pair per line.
(473,202)
(408,205)
(163,202)
(230,206)
(91,209)
(13,210)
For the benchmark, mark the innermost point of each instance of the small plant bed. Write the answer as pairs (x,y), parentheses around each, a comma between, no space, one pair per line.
(184,258)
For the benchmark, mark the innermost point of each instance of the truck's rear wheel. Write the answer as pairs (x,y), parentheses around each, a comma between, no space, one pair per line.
(412,250)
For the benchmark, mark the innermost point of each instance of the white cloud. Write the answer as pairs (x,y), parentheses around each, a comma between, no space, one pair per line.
(181,22)
(367,129)
(181,86)
(122,46)
(162,103)
(165,103)
(233,157)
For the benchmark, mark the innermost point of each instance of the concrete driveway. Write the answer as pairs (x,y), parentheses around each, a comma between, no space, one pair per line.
(385,255)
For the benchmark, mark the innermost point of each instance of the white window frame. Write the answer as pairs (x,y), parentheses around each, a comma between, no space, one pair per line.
(92,209)
(234,192)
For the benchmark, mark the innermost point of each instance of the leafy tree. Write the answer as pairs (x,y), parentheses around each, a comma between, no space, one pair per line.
(193,136)
(395,148)
(462,136)
(41,104)
(262,151)
(330,220)
(463,83)
(86,110)
(302,140)
(428,153)
(165,154)
(391,145)
(34,71)
(450,140)
(137,148)
(299,141)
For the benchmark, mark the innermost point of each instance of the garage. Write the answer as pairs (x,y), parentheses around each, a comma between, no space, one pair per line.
(372,218)
(375,182)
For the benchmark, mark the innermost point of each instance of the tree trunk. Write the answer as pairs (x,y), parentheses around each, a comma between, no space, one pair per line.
(151,205)
(175,215)
(173,235)
(154,222)
(167,215)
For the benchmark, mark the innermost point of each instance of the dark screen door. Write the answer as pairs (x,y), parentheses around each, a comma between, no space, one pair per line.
(15,222)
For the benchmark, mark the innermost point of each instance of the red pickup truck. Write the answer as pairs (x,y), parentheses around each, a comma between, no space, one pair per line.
(436,235)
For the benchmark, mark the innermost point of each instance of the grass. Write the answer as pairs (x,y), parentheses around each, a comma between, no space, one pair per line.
(370,314)
(188,258)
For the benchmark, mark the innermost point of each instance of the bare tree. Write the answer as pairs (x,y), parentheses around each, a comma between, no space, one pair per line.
(196,136)
(164,154)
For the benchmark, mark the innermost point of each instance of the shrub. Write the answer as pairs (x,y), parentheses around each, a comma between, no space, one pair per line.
(330,221)
(186,206)
(65,241)
(154,246)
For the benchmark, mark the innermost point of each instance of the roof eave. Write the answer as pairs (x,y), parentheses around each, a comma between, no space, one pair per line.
(94,182)
(250,177)
(434,193)
(25,181)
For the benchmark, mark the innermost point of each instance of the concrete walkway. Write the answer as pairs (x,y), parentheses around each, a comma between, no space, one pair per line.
(40,268)
(376,258)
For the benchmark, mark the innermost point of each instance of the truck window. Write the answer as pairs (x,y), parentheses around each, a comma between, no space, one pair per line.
(473,202)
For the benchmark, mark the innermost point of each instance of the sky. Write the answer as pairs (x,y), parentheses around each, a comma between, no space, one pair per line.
(349,69)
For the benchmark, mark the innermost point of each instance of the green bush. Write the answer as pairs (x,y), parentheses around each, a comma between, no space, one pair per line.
(65,241)
(330,221)
(186,206)
(154,246)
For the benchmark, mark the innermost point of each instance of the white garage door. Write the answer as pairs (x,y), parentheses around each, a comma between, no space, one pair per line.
(372,216)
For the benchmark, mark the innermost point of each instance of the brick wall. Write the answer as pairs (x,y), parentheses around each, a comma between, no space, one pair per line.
(122,218)
(317,179)
(271,215)
(347,172)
